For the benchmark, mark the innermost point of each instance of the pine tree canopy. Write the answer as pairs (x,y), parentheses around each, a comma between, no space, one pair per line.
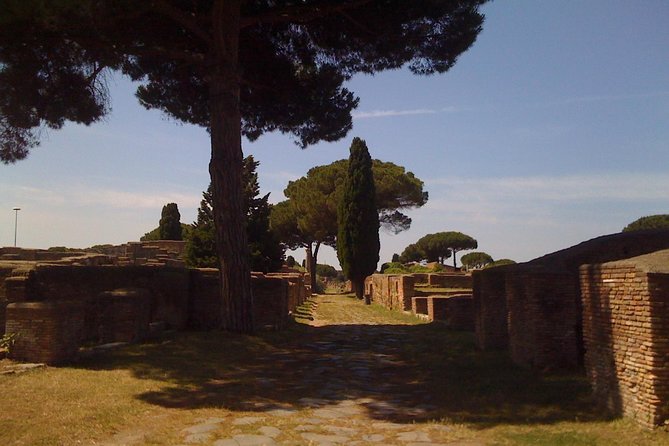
(293,59)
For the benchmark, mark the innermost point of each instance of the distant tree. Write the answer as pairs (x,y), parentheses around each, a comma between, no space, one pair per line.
(660,221)
(170,226)
(326,271)
(358,220)
(395,258)
(438,247)
(476,260)
(290,261)
(265,250)
(500,262)
(412,253)
(154,234)
(308,218)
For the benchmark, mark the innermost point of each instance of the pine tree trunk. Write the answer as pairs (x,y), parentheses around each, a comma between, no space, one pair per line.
(226,167)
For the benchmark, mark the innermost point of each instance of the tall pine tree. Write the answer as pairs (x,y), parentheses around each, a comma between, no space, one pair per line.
(265,250)
(358,220)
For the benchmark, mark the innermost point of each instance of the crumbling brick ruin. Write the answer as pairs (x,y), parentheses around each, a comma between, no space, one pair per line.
(626,334)
(53,309)
(441,297)
(536,309)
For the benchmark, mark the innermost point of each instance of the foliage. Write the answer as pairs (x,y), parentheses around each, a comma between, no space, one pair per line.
(7,341)
(395,258)
(169,227)
(308,218)
(476,260)
(412,253)
(358,219)
(206,63)
(400,268)
(266,253)
(500,262)
(154,234)
(438,247)
(290,261)
(660,221)
(326,271)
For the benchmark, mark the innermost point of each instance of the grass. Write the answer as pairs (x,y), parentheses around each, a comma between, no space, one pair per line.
(151,391)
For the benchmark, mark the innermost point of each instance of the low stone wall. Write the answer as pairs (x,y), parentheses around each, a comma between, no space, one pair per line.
(449,280)
(543,319)
(113,304)
(626,333)
(204,306)
(47,332)
(489,307)
(391,291)
(122,315)
(168,287)
(454,311)
(539,301)
(419,305)
(270,303)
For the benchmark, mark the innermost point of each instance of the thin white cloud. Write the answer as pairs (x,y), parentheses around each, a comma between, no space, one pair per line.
(391,113)
(618,186)
(113,198)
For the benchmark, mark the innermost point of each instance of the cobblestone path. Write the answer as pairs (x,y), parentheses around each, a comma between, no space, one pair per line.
(348,386)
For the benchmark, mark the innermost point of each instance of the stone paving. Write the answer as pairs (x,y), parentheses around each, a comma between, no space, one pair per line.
(362,398)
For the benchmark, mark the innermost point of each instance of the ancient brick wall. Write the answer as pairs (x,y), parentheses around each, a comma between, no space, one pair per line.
(168,287)
(123,315)
(204,309)
(489,307)
(449,280)
(47,332)
(420,277)
(270,303)
(626,334)
(419,305)
(391,291)
(455,312)
(543,318)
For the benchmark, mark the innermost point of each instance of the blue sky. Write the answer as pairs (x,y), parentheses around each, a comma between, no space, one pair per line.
(552,129)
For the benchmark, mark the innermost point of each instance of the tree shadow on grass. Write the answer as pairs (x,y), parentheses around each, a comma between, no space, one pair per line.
(399,373)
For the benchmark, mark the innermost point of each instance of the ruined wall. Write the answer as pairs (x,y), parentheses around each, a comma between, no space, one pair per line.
(543,318)
(270,303)
(47,332)
(449,280)
(391,291)
(626,333)
(454,311)
(419,305)
(489,307)
(168,287)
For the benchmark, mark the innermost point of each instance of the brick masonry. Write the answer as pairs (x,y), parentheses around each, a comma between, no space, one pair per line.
(111,304)
(489,307)
(454,311)
(626,334)
(47,332)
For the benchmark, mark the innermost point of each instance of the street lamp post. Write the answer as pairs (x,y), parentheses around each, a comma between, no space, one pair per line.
(16,221)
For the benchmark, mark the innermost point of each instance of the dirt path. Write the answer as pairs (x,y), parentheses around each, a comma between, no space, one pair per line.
(345,380)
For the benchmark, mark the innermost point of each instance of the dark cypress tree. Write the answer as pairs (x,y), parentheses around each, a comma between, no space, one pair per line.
(170,226)
(358,220)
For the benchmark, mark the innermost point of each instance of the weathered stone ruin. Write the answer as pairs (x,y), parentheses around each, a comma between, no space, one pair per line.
(536,310)
(53,309)
(626,335)
(445,298)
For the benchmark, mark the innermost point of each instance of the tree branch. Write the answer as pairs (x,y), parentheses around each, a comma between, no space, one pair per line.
(302,14)
(178,16)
